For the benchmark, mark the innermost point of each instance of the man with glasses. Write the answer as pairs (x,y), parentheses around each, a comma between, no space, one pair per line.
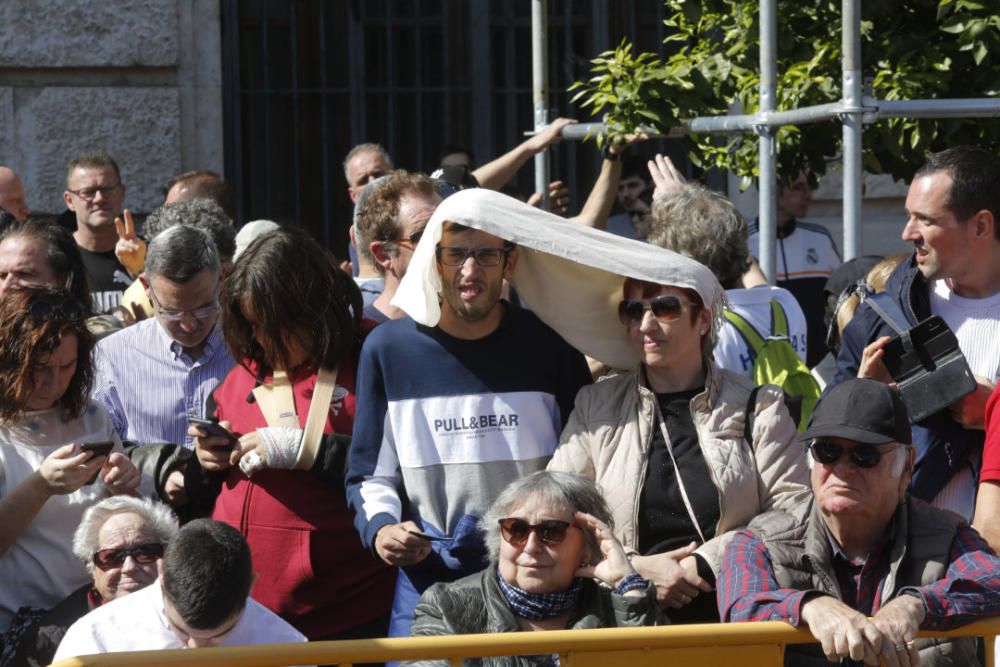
(390,221)
(201,599)
(806,256)
(448,415)
(863,548)
(95,193)
(153,376)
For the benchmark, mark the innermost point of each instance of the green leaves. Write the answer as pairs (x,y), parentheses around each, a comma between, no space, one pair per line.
(919,49)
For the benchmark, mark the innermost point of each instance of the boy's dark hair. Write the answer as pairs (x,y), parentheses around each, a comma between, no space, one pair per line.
(207,573)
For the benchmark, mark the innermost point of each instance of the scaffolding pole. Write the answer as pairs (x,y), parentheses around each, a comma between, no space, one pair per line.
(540,89)
(766,162)
(852,117)
(854,110)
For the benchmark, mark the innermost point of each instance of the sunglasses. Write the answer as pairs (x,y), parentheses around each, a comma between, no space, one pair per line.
(413,239)
(516,531)
(42,311)
(665,308)
(144,554)
(863,456)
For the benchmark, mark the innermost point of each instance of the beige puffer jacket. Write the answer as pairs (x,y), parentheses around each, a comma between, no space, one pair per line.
(608,437)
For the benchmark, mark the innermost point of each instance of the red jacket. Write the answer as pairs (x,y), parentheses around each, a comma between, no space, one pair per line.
(313,570)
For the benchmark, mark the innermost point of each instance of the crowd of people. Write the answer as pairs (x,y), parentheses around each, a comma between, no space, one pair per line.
(508,419)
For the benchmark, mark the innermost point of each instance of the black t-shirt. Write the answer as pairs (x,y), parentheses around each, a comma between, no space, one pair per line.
(107,278)
(664,523)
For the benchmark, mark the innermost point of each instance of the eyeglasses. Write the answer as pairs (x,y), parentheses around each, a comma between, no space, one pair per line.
(199,314)
(89,194)
(485,257)
(412,239)
(863,456)
(144,554)
(665,308)
(42,311)
(551,532)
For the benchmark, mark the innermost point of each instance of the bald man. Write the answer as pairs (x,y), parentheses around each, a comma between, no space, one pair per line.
(12,194)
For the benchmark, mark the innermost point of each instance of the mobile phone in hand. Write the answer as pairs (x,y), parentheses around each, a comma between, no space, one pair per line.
(212,429)
(102,448)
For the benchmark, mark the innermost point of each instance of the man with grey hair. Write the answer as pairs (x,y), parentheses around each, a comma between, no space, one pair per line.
(864,565)
(704,225)
(205,214)
(154,376)
(363,164)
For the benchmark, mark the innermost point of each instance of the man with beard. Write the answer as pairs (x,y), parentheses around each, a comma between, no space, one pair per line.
(449,414)
(953,203)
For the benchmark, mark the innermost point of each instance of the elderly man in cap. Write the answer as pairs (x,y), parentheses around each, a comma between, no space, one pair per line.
(863,548)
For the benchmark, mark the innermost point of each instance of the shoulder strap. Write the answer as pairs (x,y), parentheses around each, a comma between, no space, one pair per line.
(753,339)
(886,307)
(750,416)
(319,408)
(779,322)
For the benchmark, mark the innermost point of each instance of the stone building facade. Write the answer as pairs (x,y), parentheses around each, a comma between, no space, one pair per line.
(139,79)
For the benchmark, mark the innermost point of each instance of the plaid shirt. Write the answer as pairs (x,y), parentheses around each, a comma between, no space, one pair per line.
(970,590)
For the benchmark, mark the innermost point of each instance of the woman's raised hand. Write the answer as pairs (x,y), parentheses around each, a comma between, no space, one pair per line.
(614,566)
(67,469)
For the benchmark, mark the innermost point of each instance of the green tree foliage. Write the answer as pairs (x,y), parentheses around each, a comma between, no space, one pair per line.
(912,49)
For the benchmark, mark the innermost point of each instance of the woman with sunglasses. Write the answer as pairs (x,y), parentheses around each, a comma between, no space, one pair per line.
(120,540)
(286,412)
(668,445)
(58,450)
(551,547)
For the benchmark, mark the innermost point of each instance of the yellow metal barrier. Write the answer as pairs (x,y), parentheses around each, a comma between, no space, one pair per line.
(742,644)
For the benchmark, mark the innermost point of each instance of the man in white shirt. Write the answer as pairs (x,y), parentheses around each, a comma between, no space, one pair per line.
(953,203)
(201,599)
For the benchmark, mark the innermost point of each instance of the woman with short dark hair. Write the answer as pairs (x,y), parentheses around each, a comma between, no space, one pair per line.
(292,320)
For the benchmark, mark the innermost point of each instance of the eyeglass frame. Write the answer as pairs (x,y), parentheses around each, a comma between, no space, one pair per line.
(125,553)
(474,254)
(413,239)
(105,191)
(176,316)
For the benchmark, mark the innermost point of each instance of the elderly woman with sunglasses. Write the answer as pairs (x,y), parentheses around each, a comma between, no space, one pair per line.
(58,450)
(120,540)
(668,444)
(554,564)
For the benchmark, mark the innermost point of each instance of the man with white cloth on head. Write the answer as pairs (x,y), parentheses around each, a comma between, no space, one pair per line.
(487,387)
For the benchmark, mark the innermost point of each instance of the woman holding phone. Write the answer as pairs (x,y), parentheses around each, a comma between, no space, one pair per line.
(292,319)
(54,458)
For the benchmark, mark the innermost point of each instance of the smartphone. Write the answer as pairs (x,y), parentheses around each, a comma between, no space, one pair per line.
(429,538)
(212,429)
(98,448)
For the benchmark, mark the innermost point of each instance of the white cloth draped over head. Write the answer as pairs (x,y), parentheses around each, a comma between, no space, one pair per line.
(570,275)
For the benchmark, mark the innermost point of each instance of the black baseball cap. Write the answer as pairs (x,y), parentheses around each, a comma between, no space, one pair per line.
(862,410)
